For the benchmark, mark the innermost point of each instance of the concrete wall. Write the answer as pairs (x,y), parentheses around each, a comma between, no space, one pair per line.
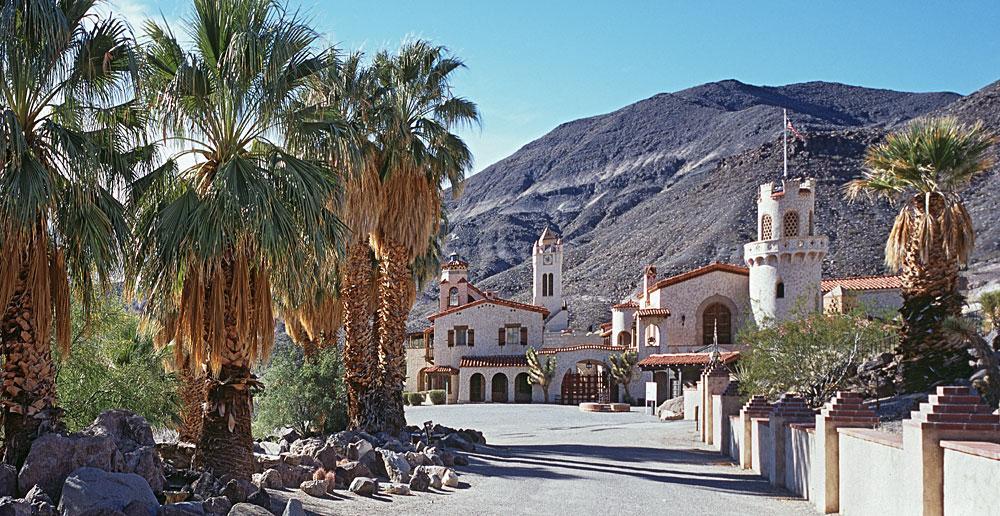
(871,475)
(763,447)
(735,437)
(798,459)
(414,363)
(687,302)
(485,319)
(692,399)
(970,482)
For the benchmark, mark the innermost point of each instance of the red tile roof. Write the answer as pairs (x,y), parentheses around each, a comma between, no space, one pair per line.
(685,358)
(627,304)
(605,326)
(862,283)
(477,291)
(723,267)
(653,312)
(601,347)
(441,369)
(454,265)
(494,301)
(495,361)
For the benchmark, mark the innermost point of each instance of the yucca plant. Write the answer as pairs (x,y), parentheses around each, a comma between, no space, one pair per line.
(71,135)
(541,373)
(623,371)
(246,217)
(990,303)
(923,168)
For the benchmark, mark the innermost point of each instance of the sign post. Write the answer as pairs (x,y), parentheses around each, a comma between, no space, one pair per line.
(651,398)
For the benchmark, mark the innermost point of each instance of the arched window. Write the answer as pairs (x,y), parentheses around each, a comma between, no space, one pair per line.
(717,317)
(453,296)
(551,284)
(624,339)
(790,224)
(811,223)
(779,291)
(766,231)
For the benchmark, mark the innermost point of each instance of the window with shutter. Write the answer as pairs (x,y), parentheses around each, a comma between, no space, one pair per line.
(451,338)
(524,336)
(472,338)
(513,334)
(501,336)
(461,335)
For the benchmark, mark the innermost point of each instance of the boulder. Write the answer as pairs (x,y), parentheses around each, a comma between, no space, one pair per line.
(293,508)
(674,405)
(182,509)
(249,509)
(236,491)
(177,455)
(41,504)
(364,486)
(447,458)
(346,472)
(206,486)
(357,450)
(260,498)
(136,508)
(118,441)
(461,460)
(8,480)
(436,482)
(88,488)
(102,511)
(315,488)
(670,415)
(272,478)
(450,479)
(420,481)
(396,466)
(318,449)
(288,434)
(216,505)
(396,489)
(13,507)
(435,470)
(300,459)
(454,441)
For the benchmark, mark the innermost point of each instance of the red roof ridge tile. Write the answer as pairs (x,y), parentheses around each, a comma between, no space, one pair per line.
(884,282)
(712,267)
(495,301)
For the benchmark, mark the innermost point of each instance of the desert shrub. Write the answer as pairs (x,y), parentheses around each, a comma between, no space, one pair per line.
(813,355)
(112,366)
(416,398)
(437,397)
(305,394)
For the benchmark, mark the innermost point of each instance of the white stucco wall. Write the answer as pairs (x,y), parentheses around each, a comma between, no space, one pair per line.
(970,484)
(763,447)
(735,437)
(687,302)
(798,460)
(414,363)
(485,319)
(871,477)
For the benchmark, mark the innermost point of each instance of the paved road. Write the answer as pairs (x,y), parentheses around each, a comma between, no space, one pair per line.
(555,460)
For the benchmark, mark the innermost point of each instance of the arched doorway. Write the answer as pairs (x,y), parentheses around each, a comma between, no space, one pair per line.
(625,339)
(662,386)
(499,391)
(717,317)
(477,386)
(522,388)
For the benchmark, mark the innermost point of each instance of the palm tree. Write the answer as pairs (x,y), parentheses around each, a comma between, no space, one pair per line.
(246,217)
(990,302)
(623,371)
(965,332)
(541,373)
(923,168)
(415,154)
(70,136)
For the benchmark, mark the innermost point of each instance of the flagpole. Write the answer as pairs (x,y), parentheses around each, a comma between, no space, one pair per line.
(784,135)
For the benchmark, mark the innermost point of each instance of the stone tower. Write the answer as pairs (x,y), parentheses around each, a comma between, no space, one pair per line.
(786,260)
(546,262)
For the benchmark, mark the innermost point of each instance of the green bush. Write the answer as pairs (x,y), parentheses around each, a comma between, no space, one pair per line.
(110,366)
(416,398)
(406,398)
(438,397)
(305,394)
(812,355)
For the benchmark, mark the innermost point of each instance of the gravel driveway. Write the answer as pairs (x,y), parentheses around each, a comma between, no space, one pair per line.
(548,459)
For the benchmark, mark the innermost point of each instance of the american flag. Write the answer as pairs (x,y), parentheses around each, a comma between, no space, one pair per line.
(796,133)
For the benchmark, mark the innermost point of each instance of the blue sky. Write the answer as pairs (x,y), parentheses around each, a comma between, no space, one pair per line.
(535,64)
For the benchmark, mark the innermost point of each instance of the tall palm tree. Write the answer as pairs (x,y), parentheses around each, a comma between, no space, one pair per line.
(247,217)
(70,136)
(923,168)
(416,154)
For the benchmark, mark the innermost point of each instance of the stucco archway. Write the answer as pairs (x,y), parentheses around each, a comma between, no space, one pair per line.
(477,388)
(522,388)
(734,315)
(498,393)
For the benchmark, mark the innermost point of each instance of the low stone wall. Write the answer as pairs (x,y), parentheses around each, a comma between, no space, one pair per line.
(971,477)
(692,398)
(946,462)
(871,472)
(798,456)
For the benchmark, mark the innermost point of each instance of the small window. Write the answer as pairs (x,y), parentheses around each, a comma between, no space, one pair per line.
(461,336)
(624,339)
(513,335)
(811,229)
(453,296)
(790,224)
(766,231)
(780,290)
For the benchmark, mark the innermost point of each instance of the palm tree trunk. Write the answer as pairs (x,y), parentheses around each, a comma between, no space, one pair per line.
(392,311)
(930,295)
(226,441)
(359,353)
(28,376)
(193,396)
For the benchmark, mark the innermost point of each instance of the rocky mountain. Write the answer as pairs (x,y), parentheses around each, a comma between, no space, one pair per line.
(671,181)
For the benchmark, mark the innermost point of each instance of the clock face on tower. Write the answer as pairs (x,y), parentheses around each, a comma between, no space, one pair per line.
(547,259)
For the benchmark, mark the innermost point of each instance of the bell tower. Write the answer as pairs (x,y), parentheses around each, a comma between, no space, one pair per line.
(786,260)
(546,261)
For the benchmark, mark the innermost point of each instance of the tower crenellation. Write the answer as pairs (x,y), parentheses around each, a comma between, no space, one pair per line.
(786,260)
